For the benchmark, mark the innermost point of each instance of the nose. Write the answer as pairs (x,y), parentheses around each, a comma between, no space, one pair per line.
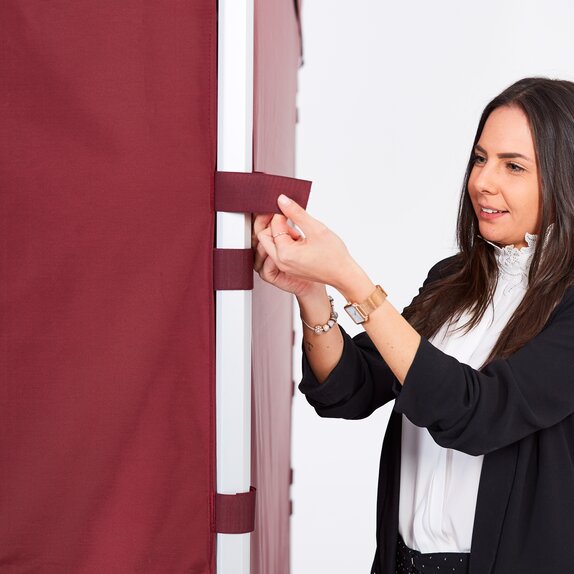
(484,179)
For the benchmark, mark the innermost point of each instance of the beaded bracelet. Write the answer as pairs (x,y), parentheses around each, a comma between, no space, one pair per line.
(318,329)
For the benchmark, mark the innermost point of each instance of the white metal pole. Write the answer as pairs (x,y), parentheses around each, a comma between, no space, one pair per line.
(233,308)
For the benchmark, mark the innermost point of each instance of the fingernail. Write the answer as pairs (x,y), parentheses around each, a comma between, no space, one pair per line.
(283,200)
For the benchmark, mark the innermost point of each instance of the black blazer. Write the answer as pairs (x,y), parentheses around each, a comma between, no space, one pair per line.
(517,412)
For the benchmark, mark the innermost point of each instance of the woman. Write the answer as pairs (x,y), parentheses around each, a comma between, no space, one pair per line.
(477,466)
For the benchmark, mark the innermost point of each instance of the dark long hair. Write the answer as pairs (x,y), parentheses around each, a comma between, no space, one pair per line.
(470,284)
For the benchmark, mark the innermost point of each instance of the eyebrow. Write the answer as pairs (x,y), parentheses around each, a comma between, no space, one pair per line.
(509,155)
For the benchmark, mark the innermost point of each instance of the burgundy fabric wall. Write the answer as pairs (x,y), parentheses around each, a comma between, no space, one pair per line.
(107,155)
(277,50)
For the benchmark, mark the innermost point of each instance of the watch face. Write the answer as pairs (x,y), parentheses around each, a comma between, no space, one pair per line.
(354,314)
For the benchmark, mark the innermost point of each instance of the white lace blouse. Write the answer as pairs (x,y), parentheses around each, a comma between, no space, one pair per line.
(439,486)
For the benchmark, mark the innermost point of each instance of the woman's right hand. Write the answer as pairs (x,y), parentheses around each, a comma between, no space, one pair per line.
(267,269)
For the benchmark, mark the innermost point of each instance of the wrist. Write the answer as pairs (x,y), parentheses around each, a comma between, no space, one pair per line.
(313,292)
(315,307)
(356,284)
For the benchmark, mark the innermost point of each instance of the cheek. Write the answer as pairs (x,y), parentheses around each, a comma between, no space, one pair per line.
(536,207)
(535,203)
(528,209)
(471,186)
(473,196)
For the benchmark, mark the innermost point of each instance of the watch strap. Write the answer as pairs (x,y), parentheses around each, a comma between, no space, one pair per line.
(360,312)
(374,300)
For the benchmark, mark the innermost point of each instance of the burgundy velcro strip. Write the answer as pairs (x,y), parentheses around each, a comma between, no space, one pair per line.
(232,269)
(235,513)
(256,192)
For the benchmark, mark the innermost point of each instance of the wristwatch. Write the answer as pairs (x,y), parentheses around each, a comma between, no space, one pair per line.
(360,312)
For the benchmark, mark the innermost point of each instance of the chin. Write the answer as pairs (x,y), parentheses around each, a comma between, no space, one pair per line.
(503,240)
(498,237)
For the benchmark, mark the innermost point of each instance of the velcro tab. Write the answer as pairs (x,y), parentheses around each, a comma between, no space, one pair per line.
(257,192)
(232,269)
(235,513)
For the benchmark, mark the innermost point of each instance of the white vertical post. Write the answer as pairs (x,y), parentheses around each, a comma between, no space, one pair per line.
(233,308)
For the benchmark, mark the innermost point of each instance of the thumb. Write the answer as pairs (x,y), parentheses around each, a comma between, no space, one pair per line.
(294,212)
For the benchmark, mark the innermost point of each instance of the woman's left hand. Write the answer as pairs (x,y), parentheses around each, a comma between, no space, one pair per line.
(319,256)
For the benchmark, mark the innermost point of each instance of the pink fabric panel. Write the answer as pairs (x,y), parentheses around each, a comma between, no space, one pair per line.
(277,53)
(107,156)
(277,50)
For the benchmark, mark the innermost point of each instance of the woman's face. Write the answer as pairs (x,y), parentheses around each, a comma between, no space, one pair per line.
(503,184)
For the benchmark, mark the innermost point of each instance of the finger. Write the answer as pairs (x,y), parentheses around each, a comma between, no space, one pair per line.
(260,222)
(296,214)
(260,257)
(267,243)
(269,271)
(280,227)
(295,235)
(280,230)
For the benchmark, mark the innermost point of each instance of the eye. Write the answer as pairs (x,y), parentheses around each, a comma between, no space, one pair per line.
(514,167)
(478,159)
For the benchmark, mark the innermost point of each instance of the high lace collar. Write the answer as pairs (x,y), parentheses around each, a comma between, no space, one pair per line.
(514,262)
(511,259)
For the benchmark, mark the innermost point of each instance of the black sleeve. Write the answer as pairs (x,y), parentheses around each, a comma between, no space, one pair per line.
(361,381)
(477,412)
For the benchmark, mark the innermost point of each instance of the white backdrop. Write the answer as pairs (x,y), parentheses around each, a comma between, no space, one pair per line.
(389,98)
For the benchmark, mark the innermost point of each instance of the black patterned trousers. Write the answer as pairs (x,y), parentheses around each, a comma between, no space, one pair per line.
(413,562)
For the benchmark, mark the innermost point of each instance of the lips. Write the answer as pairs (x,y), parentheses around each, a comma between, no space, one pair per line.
(489,213)
(491,210)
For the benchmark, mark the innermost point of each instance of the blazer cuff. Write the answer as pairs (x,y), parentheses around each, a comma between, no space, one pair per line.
(336,387)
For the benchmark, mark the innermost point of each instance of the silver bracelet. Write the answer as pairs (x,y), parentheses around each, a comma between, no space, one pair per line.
(318,329)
